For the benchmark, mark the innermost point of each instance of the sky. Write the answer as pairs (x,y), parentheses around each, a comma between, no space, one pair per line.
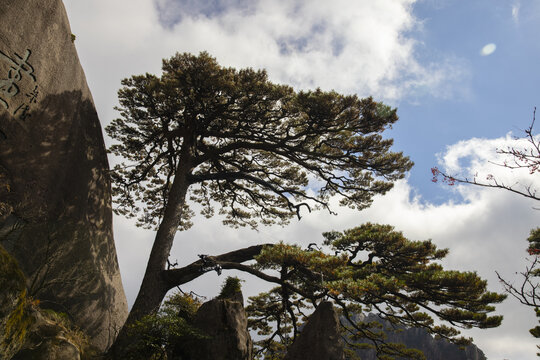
(462,74)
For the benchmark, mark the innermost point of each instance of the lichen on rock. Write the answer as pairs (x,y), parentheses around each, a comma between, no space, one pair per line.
(14,318)
(30,332)
(52,336)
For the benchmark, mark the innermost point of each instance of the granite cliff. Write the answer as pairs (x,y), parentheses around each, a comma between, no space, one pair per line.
(320,338)
(56,217)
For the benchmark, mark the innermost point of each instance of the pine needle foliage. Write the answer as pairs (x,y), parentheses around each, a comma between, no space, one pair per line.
(231,140)
(370,268)
(231,287)
(251,145)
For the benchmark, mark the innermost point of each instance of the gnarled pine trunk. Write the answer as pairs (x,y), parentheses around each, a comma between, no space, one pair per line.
(154,287)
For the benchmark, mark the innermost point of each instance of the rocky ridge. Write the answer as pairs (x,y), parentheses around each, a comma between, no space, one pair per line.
(433,349)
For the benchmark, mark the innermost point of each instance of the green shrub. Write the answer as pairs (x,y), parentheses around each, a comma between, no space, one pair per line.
(230,287)
(19,312)
(15,318)
(156,335)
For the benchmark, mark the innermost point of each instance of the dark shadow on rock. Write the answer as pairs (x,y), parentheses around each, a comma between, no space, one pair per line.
(224,322)
(320,338)
(62,217)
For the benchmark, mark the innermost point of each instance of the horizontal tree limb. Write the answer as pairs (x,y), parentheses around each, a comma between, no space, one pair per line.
(177,277)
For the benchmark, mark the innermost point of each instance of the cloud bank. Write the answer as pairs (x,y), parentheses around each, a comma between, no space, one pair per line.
(363,47)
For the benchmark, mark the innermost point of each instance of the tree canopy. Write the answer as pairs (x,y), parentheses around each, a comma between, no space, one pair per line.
(233,140)
(249,144)
(370,268)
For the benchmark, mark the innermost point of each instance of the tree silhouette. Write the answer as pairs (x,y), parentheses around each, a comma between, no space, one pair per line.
(231,139)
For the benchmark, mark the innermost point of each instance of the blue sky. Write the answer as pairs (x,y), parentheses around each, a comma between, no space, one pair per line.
(498,93)
(456,107)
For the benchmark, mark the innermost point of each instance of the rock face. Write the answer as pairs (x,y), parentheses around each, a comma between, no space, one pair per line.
(320,338)
(225,323)
(56,214)
(28,332)
(433,349)
(47,339)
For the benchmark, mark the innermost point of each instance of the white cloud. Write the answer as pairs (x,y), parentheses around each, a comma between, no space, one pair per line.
(363,47)
(479,159)
(490,235)
(516,6)
(488,49)
(525,13)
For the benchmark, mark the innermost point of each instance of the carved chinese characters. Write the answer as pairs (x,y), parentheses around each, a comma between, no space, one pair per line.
(18,88)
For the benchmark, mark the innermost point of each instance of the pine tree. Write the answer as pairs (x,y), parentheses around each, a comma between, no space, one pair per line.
(231,139)
(370,268)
